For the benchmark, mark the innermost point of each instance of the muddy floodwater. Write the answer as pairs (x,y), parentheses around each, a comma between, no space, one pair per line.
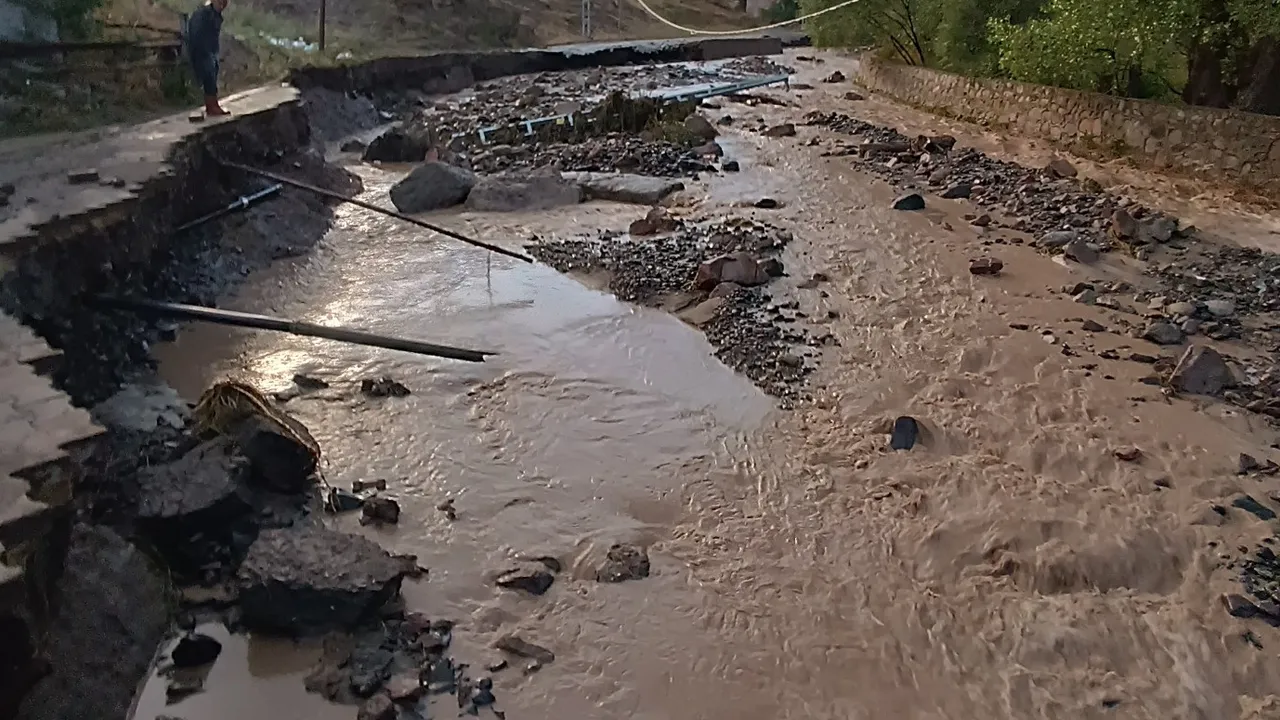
(1012,565)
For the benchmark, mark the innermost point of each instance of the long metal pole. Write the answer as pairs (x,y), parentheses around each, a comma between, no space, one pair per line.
(243,202)
(266,322)
(370,206)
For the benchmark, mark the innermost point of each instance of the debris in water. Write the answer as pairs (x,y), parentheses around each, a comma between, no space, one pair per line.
(624,562)
(446,507)
(520,647)
(383,387)
(905,432)
(195,650)
(380,511)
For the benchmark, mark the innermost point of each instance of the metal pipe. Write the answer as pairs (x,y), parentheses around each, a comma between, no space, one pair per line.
(241,203)
(370,206)
(265,322)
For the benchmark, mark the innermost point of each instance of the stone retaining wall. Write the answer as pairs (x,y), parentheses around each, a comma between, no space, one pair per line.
(1235,146)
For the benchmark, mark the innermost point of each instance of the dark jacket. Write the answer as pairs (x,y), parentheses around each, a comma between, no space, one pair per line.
(203,30)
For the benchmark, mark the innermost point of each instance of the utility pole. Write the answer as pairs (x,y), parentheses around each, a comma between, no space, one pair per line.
(323,4)
(586,19)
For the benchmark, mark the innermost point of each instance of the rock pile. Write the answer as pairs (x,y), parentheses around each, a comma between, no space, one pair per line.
(719,272)
(616,152)
(1051,203)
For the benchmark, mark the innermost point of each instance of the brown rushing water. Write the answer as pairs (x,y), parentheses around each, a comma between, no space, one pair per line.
(1008,567)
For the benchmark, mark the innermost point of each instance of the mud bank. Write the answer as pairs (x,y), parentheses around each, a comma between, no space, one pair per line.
(98,599)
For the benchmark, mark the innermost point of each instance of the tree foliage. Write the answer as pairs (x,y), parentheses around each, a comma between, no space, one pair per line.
(1113,46)
(1215,52)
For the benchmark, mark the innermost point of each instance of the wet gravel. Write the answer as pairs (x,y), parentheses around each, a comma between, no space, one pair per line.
(614,153)
(763,340)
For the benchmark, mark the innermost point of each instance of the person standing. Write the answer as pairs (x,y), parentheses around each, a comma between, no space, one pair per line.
(204,30)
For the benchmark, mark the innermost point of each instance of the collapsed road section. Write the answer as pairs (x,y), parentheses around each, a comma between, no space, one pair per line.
(224,495)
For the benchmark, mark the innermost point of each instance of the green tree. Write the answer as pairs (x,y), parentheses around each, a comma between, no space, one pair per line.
(1112,46)
(903,27)
(782,10)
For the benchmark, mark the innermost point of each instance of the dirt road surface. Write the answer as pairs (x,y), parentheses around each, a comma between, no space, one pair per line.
(1019,562)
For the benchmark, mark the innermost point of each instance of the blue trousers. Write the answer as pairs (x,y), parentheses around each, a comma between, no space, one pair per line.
(206,70)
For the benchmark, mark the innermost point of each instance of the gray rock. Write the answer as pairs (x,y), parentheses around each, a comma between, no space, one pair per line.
(508,193)
(1160,229)
(306,580)
(1220,308)
(1202,371)
(1086,296)
(959,190)
(624,188)
(1059,167)
(739,268)
(700,127)
(1058,238)
(783,130)
(276,461)
(112,615)
(1163,333)
(432,186)
(1181,309)
(910,201)
(624,562)
(1123,226)
(196,494)
(397,145)
(1080,251)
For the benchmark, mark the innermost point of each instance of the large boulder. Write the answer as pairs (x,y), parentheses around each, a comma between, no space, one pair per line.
(1202,371)
(432,186)
(538,191)
(197,494)
(306,580)
(624,188)
(398,144)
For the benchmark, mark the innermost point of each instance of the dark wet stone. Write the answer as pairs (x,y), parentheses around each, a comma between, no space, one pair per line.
(352,146)
(397,145)
(195,650)
(530,577)
(985,266)
(624,562)
(432,186)
(1080,251)
(359,486)
(306,580)
(276,462)
(768,203)
(783,130)
(198,494)
(520,647)
(911,201)
(959,190)
(380,511)
(338,500)
(83,176)
(306,382)
(730,166)
(835,77)
(383,387)
(1253,507)
(905,432)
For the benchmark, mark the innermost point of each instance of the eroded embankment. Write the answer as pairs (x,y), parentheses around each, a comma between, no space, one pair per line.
(113,602)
